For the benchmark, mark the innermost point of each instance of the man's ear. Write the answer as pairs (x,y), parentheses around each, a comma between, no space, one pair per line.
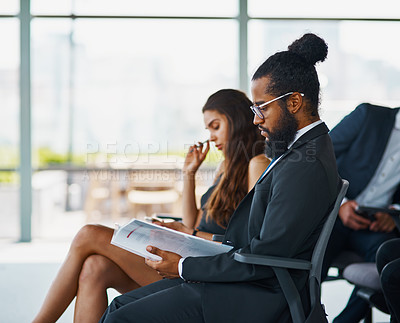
(295,102)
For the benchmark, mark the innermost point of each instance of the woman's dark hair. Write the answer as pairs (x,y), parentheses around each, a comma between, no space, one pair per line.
(244,142)
(294,71)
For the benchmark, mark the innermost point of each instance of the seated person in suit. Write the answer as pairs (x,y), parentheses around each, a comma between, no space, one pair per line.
(367,149)
(388,264)
(93,264)
(281,216)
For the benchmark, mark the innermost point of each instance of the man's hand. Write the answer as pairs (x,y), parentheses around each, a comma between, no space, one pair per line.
(350,218)
(383,223)
(167,267)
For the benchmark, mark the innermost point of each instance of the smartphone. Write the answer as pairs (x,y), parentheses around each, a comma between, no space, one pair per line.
(162,218)
(366,212)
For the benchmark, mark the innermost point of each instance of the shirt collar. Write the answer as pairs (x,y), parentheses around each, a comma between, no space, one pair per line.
(303,130)
(397,121)
(299,133)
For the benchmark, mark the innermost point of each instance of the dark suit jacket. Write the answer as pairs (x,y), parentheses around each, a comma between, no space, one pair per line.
(281,216)
(359,141)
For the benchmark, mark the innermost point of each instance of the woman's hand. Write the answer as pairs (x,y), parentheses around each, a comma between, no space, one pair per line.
(176,225)
(195,157)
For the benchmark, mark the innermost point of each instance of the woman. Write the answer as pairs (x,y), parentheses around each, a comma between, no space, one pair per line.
(93,264)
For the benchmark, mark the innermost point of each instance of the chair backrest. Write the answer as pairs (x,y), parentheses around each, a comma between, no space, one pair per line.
(320,247)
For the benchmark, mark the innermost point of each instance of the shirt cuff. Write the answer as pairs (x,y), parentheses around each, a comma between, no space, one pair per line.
(180,269)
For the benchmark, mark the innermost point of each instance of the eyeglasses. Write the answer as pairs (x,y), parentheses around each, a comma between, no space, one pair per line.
(257,109)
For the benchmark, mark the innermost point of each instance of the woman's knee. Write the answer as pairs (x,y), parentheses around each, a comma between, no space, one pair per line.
(94,271)
(90,236)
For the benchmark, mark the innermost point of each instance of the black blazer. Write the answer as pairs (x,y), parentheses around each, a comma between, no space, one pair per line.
(359,141)
(281,216)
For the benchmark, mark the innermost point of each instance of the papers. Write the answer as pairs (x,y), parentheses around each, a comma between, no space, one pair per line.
(137,235)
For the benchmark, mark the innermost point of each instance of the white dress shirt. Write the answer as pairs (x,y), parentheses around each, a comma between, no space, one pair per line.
(380,189)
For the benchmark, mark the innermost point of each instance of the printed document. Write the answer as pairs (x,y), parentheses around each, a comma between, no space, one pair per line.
(137,235)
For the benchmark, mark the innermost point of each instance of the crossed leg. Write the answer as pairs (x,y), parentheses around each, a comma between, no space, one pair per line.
(91,266)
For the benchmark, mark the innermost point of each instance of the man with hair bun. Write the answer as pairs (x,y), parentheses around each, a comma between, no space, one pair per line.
(281,216)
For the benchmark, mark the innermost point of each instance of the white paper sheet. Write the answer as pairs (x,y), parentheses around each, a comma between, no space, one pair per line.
(137,235)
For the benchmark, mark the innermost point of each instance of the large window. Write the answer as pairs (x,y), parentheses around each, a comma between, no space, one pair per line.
(9,64)
(193,8)
(362,65)
(339,9)
(103,81)
(131,76)
(9,118)
(9,7)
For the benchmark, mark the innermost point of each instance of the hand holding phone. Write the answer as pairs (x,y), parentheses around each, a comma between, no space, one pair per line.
(366,212)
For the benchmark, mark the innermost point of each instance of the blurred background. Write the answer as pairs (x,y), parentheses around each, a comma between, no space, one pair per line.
(101,99)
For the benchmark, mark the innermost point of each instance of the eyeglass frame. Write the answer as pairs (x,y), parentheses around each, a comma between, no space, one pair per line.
(257,108)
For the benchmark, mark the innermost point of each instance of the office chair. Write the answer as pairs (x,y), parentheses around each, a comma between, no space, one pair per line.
(365,275)
(281,265)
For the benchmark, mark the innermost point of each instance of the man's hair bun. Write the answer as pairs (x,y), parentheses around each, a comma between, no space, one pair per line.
(311,47)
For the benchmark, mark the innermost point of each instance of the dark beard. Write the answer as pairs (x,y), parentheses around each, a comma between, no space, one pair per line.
(284,133)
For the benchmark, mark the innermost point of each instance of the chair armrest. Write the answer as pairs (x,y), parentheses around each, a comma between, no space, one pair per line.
(218,237)
(272,261)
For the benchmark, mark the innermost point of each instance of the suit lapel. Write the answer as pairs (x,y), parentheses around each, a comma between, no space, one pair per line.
(313,133)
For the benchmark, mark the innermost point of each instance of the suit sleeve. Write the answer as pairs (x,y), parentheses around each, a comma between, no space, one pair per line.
(345,132)
(296,208)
